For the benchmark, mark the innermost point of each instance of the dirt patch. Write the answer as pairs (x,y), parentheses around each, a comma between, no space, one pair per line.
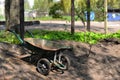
(102,63)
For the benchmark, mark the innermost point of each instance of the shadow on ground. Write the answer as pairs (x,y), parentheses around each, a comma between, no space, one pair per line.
(96,66)
(12,68)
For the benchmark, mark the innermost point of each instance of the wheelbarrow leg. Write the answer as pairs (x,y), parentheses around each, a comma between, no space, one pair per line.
(61,61)
(55,57)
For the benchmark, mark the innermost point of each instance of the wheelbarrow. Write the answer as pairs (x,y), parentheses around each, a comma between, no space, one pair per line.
(52,53)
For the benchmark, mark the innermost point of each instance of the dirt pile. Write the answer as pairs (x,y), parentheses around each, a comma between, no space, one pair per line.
(103,63)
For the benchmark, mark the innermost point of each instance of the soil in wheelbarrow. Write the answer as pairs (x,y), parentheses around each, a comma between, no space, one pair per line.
(102,63)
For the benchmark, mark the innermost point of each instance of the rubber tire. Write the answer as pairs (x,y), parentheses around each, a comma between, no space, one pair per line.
(65,60)
(43,66)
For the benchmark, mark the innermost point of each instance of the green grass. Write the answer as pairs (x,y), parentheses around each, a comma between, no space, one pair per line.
(8,37)
(45,18)
(88,37)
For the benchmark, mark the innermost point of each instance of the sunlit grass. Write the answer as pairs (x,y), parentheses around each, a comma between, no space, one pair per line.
(88,37)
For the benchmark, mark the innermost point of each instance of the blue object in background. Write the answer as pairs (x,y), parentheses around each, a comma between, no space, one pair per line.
(92,15)
(113,16)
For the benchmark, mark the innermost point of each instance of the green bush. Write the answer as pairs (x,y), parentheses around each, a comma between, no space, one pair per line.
(56,10)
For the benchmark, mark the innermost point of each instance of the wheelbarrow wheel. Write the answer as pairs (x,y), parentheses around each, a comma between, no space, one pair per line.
(43,66)
(64,60)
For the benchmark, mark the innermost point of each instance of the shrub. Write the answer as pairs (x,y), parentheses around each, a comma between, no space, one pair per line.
(56,10)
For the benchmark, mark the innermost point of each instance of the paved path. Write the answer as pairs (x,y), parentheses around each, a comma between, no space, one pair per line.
(63,25)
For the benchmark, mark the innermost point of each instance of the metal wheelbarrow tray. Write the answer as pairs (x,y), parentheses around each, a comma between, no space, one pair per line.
(45,44)
(52,54)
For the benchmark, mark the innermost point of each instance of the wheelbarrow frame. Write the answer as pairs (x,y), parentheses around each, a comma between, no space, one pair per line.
(45,64)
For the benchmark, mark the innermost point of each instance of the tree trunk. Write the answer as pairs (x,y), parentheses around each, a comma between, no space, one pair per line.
(22,19)
(105,14)
(72,17)
(12,15)
(7,13)
(88,15)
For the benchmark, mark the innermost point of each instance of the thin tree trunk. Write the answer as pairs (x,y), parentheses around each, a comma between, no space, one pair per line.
(105,14)
(88,15)
(22,19)
(72,17)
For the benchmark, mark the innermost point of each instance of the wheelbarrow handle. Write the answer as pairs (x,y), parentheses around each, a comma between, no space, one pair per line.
(18,37)
(30,33)
(10,30)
